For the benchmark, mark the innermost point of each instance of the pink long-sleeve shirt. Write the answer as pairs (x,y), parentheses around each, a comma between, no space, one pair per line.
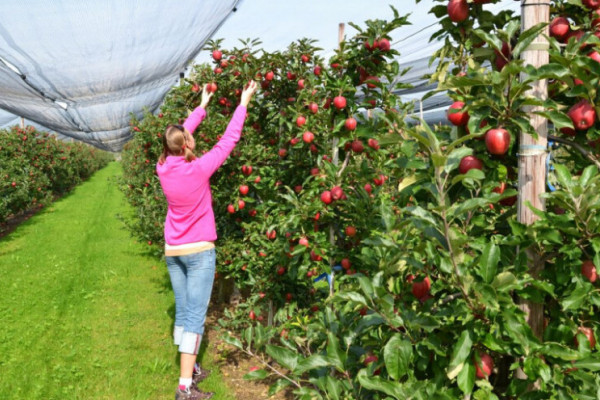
(186,186)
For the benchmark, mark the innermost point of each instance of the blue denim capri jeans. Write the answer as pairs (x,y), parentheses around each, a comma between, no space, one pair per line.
(192,279)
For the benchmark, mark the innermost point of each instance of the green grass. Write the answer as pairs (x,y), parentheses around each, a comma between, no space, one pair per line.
(84,314)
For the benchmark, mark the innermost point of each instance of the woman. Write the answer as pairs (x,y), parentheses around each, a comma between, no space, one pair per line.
(190,230)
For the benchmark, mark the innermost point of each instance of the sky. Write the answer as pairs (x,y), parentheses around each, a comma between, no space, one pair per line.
(278,23)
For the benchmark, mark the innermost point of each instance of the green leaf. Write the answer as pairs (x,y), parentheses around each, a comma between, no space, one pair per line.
(505,281)
(488,263)
(397,354)
(335,353)
(315,361)
(466,378)
(376,383)
(558,350)
(235,342)
(278,386)
(283,356)
(256,375)
(411,180)
(591,364)
(563,175)
(461,351)
(559,119)
(334,389)
(492,40)
(576,298)
(526,38)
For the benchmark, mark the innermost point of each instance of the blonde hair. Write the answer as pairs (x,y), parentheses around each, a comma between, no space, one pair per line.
(174,144)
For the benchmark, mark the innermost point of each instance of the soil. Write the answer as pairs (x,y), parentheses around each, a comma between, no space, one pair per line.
(234,364)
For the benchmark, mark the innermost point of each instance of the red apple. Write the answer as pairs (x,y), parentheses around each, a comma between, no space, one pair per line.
(372,81)
(230,208)
(594,55)
(301,84)
(282,153)
(357,146)
(280,270)
(560,28)
(217,55)
(241,204)
(593,4)
(484,369)
(458,118)
(371,358)
(211,87)
(337,193)
(339,102)
(291,76)
(305,58)
(373,143)
(303,242)
(246,169)
(196,88)
(346,264)
(368,188)
(588,269)
(583,115)
(244,190)
(326,197)
(350,124)
(469,162)
(350,231)
(315,257)
(497,141)
(313,107)
(252,316)
(384,44)
(308,137)
(271,235)
(502,57)
(300,121)
(596,20)
(421,289)
(458,10)
(317,70)
(269,76)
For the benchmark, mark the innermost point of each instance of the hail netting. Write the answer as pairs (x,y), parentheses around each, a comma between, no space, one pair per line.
(81,68)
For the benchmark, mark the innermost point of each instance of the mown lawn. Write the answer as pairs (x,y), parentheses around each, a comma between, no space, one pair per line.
(84,313)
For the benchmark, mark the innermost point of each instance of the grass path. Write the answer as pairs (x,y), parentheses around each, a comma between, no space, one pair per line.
(84,314)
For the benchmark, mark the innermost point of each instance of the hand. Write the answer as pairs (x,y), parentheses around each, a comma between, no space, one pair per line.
(249,90)
(206,96)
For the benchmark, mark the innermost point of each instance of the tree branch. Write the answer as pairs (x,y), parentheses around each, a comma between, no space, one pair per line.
(577,147)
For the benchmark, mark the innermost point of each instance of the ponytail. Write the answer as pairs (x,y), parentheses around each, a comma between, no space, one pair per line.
(174,144)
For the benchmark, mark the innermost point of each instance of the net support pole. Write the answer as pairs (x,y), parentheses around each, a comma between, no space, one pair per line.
(532,152)
(335,160)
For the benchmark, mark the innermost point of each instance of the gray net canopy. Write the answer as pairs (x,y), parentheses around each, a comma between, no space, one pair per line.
(81,68)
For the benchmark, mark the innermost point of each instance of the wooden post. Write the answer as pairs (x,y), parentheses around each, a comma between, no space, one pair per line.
(532,153)
(336,161)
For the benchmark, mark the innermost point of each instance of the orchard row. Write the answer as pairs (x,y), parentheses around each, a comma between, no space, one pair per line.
(35,167)
(378,258)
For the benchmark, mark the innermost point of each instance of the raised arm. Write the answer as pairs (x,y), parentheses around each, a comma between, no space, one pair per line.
(196,117)
(212,160)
